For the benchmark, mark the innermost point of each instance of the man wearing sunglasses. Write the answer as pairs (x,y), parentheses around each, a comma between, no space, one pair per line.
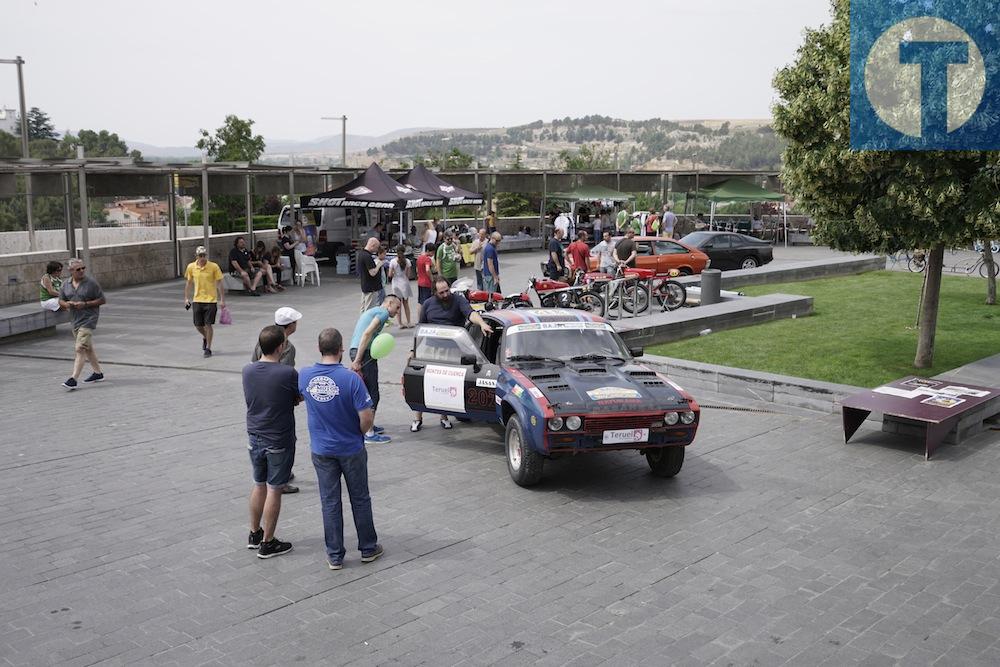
(83,297)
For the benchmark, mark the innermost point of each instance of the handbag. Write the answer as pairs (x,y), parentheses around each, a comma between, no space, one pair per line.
(225,317)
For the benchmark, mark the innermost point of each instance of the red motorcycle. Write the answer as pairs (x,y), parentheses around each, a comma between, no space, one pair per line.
(486,300)
(559,294)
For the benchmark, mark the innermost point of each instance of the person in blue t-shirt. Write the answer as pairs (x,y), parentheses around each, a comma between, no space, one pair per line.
(491,264)
(370,325)
(340,413)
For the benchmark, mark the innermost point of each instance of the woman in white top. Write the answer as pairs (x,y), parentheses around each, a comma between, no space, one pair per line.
(400,283)
(430,234)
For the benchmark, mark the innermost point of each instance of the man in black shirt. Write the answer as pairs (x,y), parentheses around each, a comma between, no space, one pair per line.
(625,250)
(370,272)
(451,309)
(240,266)
(556,265)
(271,390)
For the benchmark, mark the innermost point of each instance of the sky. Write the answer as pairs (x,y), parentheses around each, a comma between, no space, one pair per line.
(156,72)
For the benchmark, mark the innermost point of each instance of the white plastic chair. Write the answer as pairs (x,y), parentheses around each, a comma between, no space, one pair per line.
(306,266)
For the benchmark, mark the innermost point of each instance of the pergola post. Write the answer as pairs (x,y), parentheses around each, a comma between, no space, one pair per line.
(249,212)
(68,211)
(172,222)
(204,204)
(84,217)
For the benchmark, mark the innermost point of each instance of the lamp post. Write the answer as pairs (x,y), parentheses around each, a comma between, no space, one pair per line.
(343,137)
(19,61)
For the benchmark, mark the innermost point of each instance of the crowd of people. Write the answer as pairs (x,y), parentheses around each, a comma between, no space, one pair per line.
(604,219)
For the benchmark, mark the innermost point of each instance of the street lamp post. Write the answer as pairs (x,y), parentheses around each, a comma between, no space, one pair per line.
(19,61)
(343,137)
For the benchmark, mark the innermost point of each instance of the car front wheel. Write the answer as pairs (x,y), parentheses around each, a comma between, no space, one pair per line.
(665,461)
(523,463)
(749,263)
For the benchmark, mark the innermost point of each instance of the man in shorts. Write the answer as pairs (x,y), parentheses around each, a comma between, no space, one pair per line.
(369,326)
(241,266)
(205,279)
(83,297)
(271,390)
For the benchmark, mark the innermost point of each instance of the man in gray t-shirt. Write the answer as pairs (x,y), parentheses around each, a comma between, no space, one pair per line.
(83,297)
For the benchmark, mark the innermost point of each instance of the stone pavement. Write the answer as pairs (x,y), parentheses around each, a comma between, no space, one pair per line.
(123,507)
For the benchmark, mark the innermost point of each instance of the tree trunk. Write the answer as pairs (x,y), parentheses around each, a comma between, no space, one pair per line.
(929,308)
(991,274)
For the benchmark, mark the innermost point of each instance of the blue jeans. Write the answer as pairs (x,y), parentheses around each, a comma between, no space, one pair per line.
(479,278)
(354,468)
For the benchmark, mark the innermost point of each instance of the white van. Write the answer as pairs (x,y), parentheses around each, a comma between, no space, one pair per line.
(342,225)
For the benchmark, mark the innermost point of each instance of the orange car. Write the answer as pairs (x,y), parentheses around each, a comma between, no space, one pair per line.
(661,255)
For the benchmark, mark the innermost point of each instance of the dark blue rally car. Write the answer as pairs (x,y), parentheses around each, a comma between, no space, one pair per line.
(559,381)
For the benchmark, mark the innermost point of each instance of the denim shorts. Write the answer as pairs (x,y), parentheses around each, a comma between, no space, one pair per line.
(271,462)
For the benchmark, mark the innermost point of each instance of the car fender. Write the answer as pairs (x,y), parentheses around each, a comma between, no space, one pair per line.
(516,394)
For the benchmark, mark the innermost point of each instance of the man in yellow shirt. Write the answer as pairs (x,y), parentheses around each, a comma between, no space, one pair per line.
(205,278)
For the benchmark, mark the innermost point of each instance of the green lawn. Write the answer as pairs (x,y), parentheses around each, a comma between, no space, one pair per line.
(861,333)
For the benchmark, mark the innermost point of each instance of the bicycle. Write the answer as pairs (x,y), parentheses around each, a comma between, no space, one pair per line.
(980,264)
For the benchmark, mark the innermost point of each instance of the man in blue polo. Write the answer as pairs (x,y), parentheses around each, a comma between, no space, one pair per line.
(340,412)
(491,264)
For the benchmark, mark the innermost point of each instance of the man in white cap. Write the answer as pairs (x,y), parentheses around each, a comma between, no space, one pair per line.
(205,278)
(286,318)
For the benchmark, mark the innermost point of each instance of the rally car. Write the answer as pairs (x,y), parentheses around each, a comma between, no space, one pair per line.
(558,382)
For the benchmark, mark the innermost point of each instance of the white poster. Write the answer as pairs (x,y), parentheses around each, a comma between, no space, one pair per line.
(444,388)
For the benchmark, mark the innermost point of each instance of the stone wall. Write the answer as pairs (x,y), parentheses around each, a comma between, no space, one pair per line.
(115,265)
(55,239)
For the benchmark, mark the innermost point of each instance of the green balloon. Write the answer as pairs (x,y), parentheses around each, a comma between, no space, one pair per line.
(382,345)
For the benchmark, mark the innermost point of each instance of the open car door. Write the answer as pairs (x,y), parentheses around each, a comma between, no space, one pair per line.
(448,374)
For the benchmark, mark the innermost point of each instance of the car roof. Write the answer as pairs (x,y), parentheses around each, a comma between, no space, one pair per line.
(509,316)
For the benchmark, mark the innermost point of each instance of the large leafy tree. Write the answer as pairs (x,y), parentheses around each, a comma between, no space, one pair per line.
(39,125)
(233,142)
(98,144)
(873,201)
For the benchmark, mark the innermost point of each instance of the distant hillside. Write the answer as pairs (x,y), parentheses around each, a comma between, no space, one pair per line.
(644,144)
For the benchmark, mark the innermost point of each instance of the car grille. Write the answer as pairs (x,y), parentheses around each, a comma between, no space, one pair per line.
(601,424)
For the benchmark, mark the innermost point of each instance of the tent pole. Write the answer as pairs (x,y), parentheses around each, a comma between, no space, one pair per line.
(784,211)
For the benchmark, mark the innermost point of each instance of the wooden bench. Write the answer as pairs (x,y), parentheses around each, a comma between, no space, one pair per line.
(928,409)
(29,319)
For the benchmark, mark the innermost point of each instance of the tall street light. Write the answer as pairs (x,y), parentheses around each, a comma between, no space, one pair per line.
(343,137)
(18,61)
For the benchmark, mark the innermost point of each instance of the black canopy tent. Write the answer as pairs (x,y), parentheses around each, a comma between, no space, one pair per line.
(374,189)
(425,180)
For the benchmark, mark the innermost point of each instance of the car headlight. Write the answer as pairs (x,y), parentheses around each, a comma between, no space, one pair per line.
(573,423)
(671,418)
(555,424)
(687,417)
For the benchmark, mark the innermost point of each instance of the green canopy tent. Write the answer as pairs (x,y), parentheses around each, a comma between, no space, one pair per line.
(587,193)
(736,190)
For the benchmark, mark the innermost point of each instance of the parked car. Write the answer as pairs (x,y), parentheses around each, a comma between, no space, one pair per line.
(731,251)
(559,382)
(662,255)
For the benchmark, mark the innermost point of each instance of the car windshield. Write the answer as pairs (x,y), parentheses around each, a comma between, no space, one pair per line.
(563,341)
(696,238)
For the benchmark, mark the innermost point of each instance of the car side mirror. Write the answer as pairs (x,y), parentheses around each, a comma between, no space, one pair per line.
(636,352)
(471,360)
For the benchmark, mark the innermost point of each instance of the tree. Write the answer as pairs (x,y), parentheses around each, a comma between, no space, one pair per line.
(454,159)
(233,142)
(10,146)
(871,201)
(98,144)
(39,125)
(586,159)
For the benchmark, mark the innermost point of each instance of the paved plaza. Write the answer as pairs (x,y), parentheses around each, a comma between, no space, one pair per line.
(124,515)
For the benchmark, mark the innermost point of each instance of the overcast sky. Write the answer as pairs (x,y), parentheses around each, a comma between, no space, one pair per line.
(156,72)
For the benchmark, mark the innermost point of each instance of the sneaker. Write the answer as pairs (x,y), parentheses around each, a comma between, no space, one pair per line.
(94,377)
(335,564)
(288,488)
(373,554)
(376,439)
(70,384)
(446,424)
(273,548)
(204,343)
(253,542)
(207,353)
(415,426)
(378,429)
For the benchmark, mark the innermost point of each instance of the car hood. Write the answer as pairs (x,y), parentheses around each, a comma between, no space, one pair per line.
(604,388)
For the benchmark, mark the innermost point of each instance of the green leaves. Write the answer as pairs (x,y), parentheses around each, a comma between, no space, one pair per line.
(233,142)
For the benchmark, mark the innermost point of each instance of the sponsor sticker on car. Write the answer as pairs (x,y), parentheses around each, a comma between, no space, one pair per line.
(625,435)
(564,326)
(444,388)
(607,393)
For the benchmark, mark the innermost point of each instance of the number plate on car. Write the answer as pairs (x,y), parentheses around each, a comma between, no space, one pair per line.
(626,435)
